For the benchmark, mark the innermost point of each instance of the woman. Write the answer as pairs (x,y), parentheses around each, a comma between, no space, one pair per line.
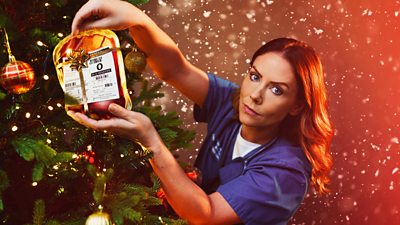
(261,149)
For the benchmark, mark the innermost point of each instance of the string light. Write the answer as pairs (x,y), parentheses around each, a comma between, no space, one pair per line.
(17,107)
(38,116)
(46,77)
(14,128)
(75,156)
(28,115)
(55,167)
(50,107)
(47,4)
(34,184)
(60,190)
(122,155)
(59,105)
(40,43)
(60,34)
(68,52)
(48,141)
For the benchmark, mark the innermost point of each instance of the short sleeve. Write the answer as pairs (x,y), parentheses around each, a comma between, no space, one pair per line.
(218,101)
(266,194)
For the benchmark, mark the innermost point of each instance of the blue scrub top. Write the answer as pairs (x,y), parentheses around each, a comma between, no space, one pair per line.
(267,185)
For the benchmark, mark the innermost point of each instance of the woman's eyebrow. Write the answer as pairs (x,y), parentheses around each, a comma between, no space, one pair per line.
(273,82)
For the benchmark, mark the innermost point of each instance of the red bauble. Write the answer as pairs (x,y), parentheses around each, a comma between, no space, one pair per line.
(17,77)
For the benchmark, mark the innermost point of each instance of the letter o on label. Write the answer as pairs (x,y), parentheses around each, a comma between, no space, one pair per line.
(99,66)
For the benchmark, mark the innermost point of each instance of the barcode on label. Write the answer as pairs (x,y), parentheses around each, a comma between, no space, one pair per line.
(95,60)
(70,84)
(108,85)
(101,77)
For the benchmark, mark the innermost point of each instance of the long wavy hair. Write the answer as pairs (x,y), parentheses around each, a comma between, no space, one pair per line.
(311,129)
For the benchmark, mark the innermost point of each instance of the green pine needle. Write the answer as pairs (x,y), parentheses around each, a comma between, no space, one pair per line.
(22,148)
(167,135)
(99,188)
(39,212)
(63,157)
(137,2)
(4,182)
(52,222)
(2,96)
(37,172)
(131,214)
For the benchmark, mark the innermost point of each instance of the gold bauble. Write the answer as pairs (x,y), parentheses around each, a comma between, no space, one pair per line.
(99,218)
(135,62)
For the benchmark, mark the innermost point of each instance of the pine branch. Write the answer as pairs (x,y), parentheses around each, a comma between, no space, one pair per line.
(37,171)
(131,214)
(4,184)
(39,212)
(52,222)
(137,2)
(147,94)
(2,96)
(23,149)
(167,135)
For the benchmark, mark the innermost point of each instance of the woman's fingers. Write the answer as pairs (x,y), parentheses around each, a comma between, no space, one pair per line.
(120,111)
(84,120)
(84,14)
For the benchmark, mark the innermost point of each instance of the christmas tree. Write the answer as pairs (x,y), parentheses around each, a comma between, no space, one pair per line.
(53,170)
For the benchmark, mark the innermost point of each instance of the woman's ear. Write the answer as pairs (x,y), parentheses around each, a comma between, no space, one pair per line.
(297,108)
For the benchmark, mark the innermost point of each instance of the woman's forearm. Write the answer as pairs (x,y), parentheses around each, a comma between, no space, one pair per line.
(163,55)
(187,199)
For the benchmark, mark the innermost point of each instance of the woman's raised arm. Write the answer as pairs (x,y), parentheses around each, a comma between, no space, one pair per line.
(163,55)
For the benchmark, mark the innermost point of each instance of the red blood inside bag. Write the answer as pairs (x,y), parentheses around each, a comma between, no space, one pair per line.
(91,72)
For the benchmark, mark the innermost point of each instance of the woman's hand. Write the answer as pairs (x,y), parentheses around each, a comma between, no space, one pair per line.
(109,14)
(126,124)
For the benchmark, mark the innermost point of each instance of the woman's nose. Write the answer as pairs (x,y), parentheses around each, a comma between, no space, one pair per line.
(256,95)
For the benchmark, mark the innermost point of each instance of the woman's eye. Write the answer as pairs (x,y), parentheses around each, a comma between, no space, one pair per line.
(276,90)
(254,77)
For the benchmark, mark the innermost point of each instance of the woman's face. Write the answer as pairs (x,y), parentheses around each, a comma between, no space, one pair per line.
(268,92)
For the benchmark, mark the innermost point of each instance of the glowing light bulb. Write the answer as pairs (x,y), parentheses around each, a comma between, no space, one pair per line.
(14,128)
(68,51)
(40,43)
(55,167)
(28,115)
(34,184)
(48,141)
(60,34)
(38,116)
(50,107)
(47,4)
(46,77)
(122,155)
(75,156)
(60,190)
(59,105)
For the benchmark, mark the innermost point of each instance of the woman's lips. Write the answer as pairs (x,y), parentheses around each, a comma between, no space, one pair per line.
(249,110)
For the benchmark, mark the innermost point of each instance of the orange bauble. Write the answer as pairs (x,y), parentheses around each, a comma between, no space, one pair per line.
(17,77)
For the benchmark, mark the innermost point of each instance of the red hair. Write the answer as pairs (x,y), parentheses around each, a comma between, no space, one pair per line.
(311,128)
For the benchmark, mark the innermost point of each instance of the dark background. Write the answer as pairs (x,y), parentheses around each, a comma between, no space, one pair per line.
(359,45)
